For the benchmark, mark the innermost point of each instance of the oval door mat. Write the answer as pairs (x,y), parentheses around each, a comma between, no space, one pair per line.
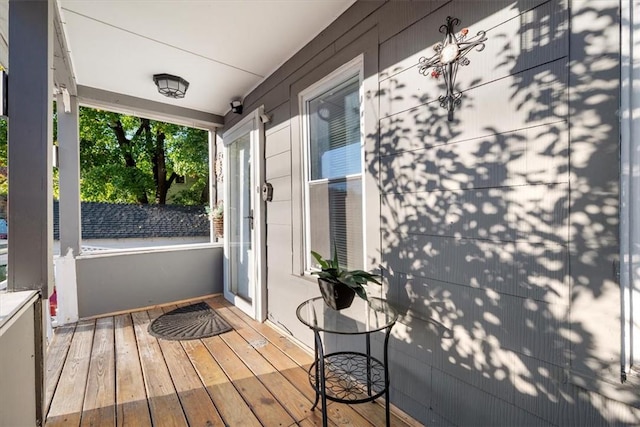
(189,323)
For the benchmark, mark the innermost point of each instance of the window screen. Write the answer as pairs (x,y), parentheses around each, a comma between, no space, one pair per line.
(334,183)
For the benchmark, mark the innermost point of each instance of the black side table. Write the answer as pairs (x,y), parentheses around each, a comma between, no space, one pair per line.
(349,376)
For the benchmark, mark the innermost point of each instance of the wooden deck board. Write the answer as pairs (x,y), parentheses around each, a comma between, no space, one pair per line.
(233,409)
(300,356)
(296,374)
(111,371)
(295,403)
(261,401)
(132,409)
(98,408)
(66,406)
(164,404)
(286,366)
(56,355)
(195,400)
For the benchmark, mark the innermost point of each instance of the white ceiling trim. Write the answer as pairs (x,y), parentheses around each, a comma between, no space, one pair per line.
(171,46)
(223,48)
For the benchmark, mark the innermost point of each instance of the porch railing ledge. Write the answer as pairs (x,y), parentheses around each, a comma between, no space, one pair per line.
(151,249)
(12,304)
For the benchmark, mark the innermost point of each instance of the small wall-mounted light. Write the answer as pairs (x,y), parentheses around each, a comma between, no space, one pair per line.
(236,106)
(265,118)
(171,86)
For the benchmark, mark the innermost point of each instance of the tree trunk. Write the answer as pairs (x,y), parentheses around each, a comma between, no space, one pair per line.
(204,195)
(160,170)
(125,145)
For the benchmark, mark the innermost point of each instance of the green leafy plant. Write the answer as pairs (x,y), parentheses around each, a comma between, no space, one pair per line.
(331,271)
(217,212)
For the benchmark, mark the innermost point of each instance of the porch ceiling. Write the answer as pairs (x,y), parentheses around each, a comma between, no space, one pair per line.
(223,48)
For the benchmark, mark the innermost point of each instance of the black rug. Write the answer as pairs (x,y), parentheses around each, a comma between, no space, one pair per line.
(189,323)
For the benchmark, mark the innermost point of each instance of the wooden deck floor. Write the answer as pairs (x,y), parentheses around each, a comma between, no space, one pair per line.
(111,372)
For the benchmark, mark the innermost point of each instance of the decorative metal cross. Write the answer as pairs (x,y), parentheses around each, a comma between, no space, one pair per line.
(450,54)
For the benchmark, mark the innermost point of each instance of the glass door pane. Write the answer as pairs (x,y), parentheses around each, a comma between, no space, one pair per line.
(241,218)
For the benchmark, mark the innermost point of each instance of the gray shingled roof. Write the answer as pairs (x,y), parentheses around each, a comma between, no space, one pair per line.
(121,221)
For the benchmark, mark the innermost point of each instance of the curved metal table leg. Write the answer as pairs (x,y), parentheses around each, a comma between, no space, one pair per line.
(320,379)
(386,376)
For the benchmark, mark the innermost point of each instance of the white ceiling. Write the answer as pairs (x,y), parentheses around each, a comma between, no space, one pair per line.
(224,48)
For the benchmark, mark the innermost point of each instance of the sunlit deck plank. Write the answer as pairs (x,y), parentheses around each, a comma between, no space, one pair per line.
(261,401)
(374,412)
(132,409)
(313,422)
(300,356)
(56,355)
(233,409)
(98,408)
(164,404)
(297,374)
(251,376)
(66,406)
(195,400)
(289,397)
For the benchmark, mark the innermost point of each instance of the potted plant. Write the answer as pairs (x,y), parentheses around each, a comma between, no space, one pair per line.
(217,216)
(338,286)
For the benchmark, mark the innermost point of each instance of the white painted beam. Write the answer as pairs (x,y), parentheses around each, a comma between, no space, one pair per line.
(63,74)
(125,104)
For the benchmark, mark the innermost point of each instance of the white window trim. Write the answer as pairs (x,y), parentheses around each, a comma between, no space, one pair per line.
(353,68)
(629,273)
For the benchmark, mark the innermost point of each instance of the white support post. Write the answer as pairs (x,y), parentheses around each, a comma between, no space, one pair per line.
(69,176)
(68,209)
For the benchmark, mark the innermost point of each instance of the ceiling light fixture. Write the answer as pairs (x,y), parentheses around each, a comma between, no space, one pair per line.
(171,86)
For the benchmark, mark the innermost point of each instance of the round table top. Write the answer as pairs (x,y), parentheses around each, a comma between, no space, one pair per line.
(362,317)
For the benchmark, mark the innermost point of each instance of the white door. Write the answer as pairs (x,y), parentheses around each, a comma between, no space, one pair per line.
(244,213)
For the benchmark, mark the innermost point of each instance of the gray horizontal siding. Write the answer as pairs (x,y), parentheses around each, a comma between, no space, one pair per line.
(495,232)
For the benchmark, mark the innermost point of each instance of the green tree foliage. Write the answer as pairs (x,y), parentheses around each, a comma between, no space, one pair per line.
(4,187)
(3,157)
(126,159)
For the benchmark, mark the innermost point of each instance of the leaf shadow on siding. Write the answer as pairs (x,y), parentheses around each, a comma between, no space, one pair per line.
(498,233)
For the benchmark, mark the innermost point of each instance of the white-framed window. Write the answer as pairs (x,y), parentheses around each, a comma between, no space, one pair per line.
(332,123)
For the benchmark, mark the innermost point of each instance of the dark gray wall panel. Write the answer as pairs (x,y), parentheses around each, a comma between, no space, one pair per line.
(278,140)
(286,292)
(534,213)
(279,213)
(527,157)
(312,51)
(279,248)
(518,269)
(126,281)
(515,40)
(496,232)
(278,165)
(461,402)
(281,188)
(533,97)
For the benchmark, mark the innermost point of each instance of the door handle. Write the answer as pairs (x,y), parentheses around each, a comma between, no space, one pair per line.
(250,218)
